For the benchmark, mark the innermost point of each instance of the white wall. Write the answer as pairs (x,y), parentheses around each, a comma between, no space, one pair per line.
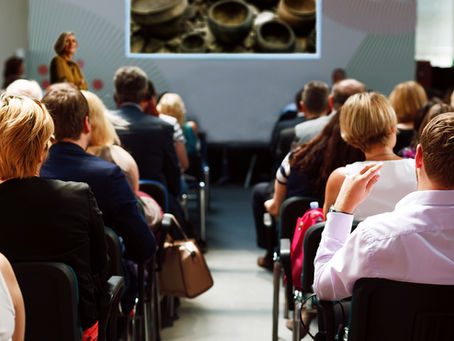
(13,29)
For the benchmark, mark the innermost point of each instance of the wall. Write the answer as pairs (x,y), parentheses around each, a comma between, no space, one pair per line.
(13,29)
(234,100)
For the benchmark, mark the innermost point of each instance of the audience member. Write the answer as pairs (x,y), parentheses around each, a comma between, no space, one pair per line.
(406,99)
(148,138)
(303,172)
(68,161)
(25,87)
(172,105)
(13,70)
(293,109)
(62,67)
(338,75)
(340,92)
(43,219)
(104,143)
(413,243)
(368,122)
(12,310)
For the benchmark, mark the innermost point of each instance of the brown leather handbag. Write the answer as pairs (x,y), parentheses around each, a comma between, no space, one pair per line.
(184,272)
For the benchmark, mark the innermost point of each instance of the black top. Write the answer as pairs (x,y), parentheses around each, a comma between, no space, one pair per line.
(52,220)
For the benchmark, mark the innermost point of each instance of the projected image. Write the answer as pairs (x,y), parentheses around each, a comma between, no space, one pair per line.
(223,26)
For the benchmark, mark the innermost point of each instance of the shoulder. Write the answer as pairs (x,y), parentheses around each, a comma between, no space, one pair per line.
(337,176)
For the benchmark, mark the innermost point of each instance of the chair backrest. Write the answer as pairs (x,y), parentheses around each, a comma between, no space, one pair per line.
(114,252)
(50,293)
(390,310)
(157,191)
(291,209)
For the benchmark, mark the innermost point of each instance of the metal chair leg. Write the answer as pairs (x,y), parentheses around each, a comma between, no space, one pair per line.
(276,279)
(202,210)
(297,316)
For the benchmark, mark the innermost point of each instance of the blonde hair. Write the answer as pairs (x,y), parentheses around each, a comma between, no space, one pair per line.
(406,99)
(367,119)
(452,99)
(172,104)
(25,130)
(102,131)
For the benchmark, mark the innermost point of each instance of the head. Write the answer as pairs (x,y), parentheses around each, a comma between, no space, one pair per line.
(13,66)
(435,153)
(66,44)
(131,85)
(315,98)
(434,111)
(406,99)
(323,154)
(343,90)
(338,75)
(25,131)
(69,110)
(367,119)
(25,87)
(171,104)
(102,131)
(298,100)
(150,107)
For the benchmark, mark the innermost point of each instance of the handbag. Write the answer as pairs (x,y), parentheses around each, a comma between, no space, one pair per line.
(184,272)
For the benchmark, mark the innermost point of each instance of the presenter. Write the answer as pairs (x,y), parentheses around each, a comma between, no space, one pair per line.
(62,68)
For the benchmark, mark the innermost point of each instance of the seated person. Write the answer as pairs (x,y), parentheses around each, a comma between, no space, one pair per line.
(68,161)
(303,172)
(412,243)
(368,122)
(43,219)
(12,310)
(406,99)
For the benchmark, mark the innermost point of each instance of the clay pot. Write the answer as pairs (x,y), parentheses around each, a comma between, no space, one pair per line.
(193,43)
(298,14)
(230,21)
(159,18)
(275,37)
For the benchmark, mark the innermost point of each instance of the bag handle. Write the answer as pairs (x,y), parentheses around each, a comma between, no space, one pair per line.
(175,221)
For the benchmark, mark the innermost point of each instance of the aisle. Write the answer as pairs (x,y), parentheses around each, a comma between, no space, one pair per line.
(238,306)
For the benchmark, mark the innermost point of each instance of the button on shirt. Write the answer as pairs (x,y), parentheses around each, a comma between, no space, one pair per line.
(413,243)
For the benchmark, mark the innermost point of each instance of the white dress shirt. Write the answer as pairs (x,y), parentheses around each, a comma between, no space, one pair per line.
(413,243)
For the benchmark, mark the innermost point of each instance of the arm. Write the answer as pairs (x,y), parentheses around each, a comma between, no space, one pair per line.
(333,186)
(343,258)
(58,71)
(16,296)
(273,205)
(182,156)
(171,169)
(81,83)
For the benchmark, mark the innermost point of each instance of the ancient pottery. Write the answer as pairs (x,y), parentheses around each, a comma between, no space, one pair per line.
(275,37)
(193,43)
(298,14)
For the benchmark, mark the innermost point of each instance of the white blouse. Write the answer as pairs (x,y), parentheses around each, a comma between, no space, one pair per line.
(7,313)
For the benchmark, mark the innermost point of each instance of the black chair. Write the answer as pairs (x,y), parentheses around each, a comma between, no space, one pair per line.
(50,293)
(291,209)
(157,191)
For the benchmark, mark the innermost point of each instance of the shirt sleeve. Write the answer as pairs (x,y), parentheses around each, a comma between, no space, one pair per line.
(341,259)
(284,171)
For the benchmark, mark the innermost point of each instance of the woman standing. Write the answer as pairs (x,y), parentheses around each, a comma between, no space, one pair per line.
(62,68)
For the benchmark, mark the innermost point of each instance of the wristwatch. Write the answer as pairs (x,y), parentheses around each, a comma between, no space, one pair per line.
(332,209)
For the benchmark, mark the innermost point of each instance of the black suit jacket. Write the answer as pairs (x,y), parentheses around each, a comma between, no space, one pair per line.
(150,142)
(52,220)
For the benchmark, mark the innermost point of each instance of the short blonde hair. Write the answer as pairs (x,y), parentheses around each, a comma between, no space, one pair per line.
(172,104)
(59,46)
(367,119)
(25,130)
(406,99)
(102,131)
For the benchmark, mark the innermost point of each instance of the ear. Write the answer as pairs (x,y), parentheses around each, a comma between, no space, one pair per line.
(418,157)
(303,107)
(86,125)
(330,103)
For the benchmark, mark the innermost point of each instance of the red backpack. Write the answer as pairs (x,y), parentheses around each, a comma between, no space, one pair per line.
(310,217)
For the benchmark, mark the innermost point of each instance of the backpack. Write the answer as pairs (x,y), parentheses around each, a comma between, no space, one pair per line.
(309,218)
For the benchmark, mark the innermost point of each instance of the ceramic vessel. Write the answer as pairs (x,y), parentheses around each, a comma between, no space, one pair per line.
(193,43)
(275,37)
(230,21)
(298,14)
(160,18)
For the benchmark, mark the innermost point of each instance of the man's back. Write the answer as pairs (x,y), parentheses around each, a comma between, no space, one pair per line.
(150,142)
(307,130)
(69,162)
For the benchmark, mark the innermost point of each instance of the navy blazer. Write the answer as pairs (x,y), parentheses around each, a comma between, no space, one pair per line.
(69,162)
(150,142)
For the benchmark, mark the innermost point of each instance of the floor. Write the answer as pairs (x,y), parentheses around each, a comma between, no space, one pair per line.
(239,305)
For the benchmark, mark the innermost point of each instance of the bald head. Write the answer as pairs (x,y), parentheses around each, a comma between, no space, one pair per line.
(344,89)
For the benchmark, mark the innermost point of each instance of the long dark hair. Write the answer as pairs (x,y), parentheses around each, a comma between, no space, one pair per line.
(323,154)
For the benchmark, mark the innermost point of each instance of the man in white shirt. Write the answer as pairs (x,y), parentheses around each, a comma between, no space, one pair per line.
(413,243)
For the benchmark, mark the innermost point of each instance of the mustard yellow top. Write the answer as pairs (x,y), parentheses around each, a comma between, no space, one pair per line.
(62,70)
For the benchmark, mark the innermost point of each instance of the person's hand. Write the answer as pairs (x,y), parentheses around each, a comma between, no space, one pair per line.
(357,187)
(271,207)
